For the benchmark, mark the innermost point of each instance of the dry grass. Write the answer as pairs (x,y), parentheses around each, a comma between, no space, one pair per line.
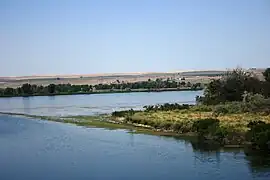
(236,122)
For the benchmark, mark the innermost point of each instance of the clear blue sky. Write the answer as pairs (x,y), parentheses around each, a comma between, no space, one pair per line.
(104,36)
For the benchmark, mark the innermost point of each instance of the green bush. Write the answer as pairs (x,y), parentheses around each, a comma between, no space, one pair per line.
(177,126)
(220,109)
(233,86)
(259,134)
(124,113)
(167,125)
(167,107)
(253,103)
(221,132)
(228,108)
(206,126)
(202,108)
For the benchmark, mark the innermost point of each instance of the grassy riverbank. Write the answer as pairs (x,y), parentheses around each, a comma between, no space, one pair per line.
(100,121)
(210,123)
(225,129)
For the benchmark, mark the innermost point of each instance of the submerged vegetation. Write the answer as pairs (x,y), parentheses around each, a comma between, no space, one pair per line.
(67,89)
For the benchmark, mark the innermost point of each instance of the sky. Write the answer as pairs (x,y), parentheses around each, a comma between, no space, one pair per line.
(50,37)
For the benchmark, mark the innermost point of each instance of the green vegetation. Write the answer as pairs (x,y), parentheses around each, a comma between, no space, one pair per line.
(228,128)
(235,110)
(228,113)
(234,86)
(67,89)
(167,107)
(259,134)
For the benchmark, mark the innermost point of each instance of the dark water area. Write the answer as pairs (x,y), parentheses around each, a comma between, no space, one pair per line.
(35,149)
(92,104)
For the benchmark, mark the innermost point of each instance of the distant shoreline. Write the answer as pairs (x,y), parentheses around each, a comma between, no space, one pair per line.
(54,76)
(108,92)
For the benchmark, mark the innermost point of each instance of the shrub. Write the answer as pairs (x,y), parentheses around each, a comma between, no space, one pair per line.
(253,124)
(206,126)
(231,107)
(254,103)
(221,132)
(259,135)
(220,109)
(177,126)
(210,129)
(232,87)
(124,113)
(202,108)
(165,125)
(167,107)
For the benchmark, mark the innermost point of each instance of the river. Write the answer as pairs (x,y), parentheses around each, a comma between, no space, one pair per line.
(92,104)
(36,149)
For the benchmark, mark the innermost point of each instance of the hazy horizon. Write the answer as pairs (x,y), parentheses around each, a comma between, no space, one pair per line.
(94,37)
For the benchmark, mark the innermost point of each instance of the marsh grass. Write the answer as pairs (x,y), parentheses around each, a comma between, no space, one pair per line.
(185,118)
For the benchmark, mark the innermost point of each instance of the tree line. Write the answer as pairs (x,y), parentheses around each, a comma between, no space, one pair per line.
(240,92)
(33,89)
(235,86)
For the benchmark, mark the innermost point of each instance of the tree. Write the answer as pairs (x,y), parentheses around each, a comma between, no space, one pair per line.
(266,74)
(26,89)
(2,91)
(183,83)
(19,91)
(9,91)
(51,88)
(231,87)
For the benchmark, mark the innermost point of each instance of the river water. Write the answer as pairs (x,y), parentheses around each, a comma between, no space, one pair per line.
(92,104)
(36,149)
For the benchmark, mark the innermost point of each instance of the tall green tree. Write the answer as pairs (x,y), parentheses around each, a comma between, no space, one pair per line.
(51,88)
(231,87)
(266,74)
(26,89)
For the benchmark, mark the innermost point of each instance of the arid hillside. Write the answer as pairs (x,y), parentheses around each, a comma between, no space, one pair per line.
(191,76)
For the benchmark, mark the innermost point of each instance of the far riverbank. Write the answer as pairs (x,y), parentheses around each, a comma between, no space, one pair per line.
(106,92)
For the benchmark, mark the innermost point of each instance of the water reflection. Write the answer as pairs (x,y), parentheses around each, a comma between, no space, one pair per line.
(118,152)
(26,105)
(131,135)
(258,161)
(51,109)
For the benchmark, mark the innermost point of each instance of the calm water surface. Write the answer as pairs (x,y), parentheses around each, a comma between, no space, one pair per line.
(34,149)
(91,104)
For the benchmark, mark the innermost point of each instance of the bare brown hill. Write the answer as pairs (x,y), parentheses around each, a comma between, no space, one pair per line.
(203,76)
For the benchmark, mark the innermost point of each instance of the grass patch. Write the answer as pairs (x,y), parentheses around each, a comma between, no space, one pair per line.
(238,122)
(226,128)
